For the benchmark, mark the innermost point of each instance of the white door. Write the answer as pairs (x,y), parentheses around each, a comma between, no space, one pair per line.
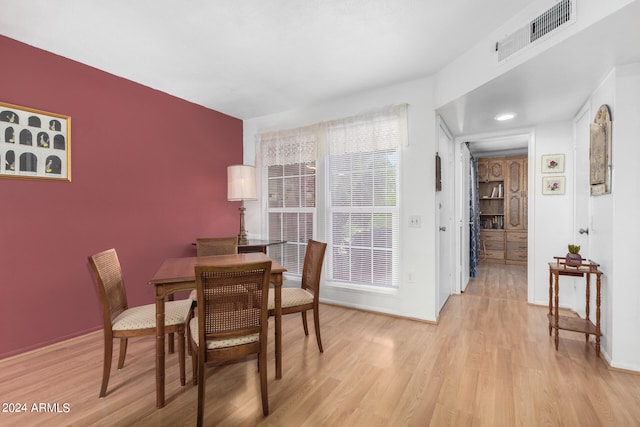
(444,213)
(463,217)
(582,188)
(581,201)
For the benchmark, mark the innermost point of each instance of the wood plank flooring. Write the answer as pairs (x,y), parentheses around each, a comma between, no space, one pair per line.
(489,362)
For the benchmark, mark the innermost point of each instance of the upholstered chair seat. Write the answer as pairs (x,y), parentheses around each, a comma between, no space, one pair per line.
(144,316)
(291,297)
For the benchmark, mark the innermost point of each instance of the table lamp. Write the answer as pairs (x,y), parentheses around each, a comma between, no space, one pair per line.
(241,186)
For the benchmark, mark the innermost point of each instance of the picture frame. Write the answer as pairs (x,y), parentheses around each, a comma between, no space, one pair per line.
(34,144)
(600,152)
(438,173)
(553,185)
(553,163)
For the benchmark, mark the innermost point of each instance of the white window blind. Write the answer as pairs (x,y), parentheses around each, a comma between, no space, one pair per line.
(362,202)
(289,160)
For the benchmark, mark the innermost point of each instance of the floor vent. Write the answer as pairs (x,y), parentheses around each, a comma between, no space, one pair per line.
(558,16)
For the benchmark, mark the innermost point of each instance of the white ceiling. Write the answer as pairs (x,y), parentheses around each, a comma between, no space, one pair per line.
(552,86)
(250,58)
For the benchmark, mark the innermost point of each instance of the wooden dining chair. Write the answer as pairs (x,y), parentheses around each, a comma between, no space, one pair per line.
(231,324)
(217,246)
(306,297)
(124,322)
(208,246)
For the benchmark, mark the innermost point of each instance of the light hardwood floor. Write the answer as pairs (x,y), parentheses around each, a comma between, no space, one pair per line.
(489,362)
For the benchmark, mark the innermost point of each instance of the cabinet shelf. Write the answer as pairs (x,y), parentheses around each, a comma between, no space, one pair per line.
(574,324)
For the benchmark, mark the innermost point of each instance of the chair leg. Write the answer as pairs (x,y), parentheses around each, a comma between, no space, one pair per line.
(194,364)
(262,363)
(123,352)
(316,324)
(106,369)
(181,357)
(201,385)
(304,323)
(187,327)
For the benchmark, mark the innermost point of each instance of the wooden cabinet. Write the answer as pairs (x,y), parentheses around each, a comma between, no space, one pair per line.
(491,200)
(490,169)
(516,247)
(502,191)
(516,194)
(492,245)
(515,211)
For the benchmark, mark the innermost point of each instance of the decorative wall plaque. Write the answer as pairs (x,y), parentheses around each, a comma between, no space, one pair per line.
(34,144)
(600,152)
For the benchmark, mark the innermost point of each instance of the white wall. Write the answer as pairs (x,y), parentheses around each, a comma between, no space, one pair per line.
(613,231)
(622,283)
(417,197)
(602,222)
(552,215)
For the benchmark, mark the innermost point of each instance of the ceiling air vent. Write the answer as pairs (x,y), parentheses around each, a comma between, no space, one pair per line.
(559,15)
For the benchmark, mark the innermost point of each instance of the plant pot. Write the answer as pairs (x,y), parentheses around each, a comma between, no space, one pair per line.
(573,259)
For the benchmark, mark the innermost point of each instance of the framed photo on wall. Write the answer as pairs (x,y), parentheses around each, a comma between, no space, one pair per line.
(34,144)
(600,152)
(553,163)
(553,185)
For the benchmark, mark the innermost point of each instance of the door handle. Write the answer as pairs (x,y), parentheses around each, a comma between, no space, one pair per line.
(443,228)
(583,231)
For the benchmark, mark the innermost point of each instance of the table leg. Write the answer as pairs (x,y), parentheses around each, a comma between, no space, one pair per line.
(170,342)
(598,316)
(587,297)
(550,298)
(556,314)
(159,347)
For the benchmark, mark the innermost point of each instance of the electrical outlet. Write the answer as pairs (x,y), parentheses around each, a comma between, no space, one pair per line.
(410,277)
(415,221)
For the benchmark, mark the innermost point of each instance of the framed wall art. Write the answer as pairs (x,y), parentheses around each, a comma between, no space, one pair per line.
(600,152)
(553,185)
(34,144)
(553,163)
(438,173)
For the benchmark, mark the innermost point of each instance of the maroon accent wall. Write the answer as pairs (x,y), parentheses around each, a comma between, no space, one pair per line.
(148,177)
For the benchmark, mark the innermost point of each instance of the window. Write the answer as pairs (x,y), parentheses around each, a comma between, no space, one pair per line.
(290,166)
(359,204)
(291,209)
(362,204)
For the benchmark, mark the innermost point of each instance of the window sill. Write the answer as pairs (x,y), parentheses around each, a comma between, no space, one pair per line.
(362,288)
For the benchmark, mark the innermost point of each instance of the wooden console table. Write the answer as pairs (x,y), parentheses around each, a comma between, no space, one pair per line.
(256,245)
(575,324)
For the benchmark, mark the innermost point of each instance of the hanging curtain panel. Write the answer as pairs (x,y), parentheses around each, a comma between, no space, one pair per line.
(474,220)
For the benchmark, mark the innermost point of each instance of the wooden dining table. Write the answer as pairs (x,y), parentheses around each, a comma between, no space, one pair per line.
(178,274)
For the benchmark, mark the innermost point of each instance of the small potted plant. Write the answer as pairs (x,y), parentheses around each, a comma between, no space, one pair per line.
(573,258)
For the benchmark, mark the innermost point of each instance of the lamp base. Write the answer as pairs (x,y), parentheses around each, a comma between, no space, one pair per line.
(242,237)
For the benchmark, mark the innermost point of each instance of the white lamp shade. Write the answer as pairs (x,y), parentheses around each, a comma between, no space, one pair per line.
(241,183)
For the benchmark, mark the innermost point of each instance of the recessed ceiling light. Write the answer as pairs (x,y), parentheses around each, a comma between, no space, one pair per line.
(505,116)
